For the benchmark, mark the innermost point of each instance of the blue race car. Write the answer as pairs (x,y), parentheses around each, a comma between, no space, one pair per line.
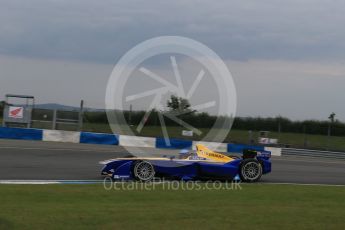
(203,164)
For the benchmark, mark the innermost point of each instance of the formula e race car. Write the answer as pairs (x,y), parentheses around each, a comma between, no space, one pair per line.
(203,164)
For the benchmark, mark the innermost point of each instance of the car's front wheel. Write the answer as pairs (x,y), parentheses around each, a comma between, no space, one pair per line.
(144,171)
(250,170)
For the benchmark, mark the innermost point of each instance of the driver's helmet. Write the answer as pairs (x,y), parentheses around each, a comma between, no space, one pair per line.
(184,153)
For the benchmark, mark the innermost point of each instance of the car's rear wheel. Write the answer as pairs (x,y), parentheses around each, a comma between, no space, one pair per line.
(144,171)
(250,170)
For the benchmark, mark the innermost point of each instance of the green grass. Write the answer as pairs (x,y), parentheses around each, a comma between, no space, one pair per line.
(297,140)
(92,207)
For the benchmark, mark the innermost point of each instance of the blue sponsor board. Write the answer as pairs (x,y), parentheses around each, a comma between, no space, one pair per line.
(99,138)
(174,143)
(22,134)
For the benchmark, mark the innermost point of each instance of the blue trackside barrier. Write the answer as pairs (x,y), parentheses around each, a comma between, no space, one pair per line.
(106,139)
(174,144)
(238,148)
(99,138)
(22,134)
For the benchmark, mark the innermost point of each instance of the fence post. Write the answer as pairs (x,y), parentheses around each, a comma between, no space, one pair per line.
(80,118)
(54,119)
(250,137)
(3,117)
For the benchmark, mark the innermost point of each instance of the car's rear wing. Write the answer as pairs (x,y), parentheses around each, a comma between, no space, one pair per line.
(250,153)
(265,154)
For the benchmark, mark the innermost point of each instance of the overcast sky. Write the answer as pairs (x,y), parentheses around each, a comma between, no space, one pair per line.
(287,57)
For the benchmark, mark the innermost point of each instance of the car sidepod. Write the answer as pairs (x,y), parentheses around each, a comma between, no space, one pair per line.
(176,169)
(219,170)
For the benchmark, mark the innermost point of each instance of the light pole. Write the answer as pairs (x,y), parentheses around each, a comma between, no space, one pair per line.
(278,119)
(130,115)
(305,135)
(331,118)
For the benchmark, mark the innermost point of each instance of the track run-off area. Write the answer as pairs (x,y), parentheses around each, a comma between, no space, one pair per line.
(44,161)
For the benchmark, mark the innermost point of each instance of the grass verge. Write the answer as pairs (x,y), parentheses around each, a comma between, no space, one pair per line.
(255,206)
(297,140)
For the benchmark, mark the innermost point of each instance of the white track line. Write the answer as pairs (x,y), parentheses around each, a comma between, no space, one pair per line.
(49,181)
(278,183)
(41,182)
(311,161)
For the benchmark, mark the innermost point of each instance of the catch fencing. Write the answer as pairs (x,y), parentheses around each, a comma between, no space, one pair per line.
(312,153)
(56,119)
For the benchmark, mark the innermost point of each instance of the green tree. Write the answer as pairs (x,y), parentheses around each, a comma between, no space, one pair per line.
(331,117)
(179,105)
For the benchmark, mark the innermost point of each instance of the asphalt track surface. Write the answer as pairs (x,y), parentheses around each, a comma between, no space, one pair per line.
(36,160)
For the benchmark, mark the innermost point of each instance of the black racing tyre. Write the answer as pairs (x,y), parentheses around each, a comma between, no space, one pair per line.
(143,171)
(250,170)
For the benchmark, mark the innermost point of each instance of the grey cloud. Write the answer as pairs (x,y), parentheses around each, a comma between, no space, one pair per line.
(102,31)
(88,37)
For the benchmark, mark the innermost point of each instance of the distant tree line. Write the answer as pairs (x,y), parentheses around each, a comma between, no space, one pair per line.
(2,105)
(287,125)
(178,105)
(201,120)
(204,120)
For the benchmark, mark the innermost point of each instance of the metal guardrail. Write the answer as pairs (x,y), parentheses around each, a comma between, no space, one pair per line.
(312,153)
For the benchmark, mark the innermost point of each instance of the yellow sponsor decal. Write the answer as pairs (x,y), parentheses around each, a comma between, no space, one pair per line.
(204,152)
